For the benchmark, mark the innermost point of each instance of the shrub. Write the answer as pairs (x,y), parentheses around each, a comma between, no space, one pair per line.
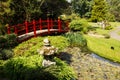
(8,40)
(20,68)
(30,47)
(76,39)
(79,25)
(30,68)
(2,74)
(6,54)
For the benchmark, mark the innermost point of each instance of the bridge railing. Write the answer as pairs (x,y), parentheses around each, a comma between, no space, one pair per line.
(40,24)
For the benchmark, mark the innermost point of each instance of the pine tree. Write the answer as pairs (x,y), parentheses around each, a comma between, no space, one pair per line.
(99,10)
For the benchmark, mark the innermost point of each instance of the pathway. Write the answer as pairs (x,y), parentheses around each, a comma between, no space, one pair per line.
(114,33)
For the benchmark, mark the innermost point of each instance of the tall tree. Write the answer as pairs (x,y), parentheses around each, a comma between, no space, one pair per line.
(115,8)
(82,7)
(99,10)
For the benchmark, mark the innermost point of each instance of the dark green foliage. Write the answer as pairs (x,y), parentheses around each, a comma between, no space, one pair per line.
(30,68)
(82,7)
(30,47)
(79,25)
(6,54)
(9,40)
(76,39)
(2,74)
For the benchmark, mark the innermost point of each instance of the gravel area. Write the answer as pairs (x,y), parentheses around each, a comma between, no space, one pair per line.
(114,33)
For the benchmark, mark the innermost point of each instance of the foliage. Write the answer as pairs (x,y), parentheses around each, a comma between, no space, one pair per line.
(76,39)
(2,29)
(103,46)
(21,10)
(6,54)
(99,10)
(2,74)
(5,11)
(30,68)
(115,8)
(82,7)
(23,68)
(30,47)
(79,25)
(8,40)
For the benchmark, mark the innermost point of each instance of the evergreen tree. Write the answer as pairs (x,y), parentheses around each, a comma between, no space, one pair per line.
(99,10)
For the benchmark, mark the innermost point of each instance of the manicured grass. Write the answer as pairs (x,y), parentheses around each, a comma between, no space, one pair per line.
(103,46)
(119,33)
(98,30)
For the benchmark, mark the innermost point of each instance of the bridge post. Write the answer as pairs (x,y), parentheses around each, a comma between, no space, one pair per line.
(34,27)
(59,25)
(40,22)
(15,29)
(8,29)
(48,25)
(26,26)
(51,24)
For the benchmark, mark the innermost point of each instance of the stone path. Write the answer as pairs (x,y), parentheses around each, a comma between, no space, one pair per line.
(114,33)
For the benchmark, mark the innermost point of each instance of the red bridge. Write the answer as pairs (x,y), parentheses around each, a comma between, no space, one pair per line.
(36,28)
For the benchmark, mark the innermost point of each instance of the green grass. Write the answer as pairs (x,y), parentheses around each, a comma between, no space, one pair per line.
(98,30)
(102,47)
(119,33)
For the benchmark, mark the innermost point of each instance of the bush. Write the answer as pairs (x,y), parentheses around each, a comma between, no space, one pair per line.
(79,25)
(8,40)
(30,68)
(30,47)
(21,68)
(6,54)
(2,74)
(76,39)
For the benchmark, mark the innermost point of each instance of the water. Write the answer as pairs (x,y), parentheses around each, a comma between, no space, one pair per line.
(105,60)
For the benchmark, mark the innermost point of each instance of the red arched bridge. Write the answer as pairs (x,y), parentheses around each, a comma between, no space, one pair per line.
(40,27)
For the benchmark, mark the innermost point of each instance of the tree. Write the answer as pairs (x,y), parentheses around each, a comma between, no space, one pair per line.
(99,10)
(82,7)
(115,8)
(5,11)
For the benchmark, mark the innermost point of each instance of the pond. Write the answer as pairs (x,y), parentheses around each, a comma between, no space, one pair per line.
(104,60)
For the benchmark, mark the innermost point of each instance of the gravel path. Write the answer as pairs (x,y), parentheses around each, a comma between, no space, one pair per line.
(114,34)
(90,68)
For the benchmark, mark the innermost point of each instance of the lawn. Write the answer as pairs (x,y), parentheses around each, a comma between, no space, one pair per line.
(102,47)
(98,30)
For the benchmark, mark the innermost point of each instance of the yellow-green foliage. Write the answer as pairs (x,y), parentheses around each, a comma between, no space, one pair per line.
(30,47)
(103,46)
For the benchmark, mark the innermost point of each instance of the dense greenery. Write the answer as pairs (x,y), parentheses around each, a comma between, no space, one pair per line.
(79,25)
(14,12)
(30,47)
(76,39)
(103,48)
(30,68)
(8,40)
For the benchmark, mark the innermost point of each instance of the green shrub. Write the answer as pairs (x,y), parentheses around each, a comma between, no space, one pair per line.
(2,74)
(30,68)
(107,36)
(8,40)
(20,68)
(6,54)
(76,39)
(108,27)
(30,47)
(79,25)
